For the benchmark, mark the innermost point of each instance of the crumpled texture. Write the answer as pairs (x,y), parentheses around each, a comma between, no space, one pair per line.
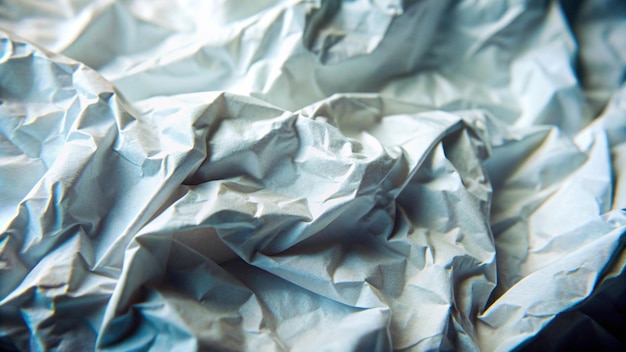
(312,175)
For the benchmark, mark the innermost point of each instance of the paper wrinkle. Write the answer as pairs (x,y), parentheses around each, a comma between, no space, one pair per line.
(392,175)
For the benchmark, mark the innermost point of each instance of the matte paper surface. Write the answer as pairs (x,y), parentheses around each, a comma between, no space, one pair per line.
(312,175)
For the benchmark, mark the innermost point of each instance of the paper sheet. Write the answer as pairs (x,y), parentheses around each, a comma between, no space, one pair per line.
(311,175)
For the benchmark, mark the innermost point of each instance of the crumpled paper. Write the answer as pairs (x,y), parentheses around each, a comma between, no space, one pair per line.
(312,175)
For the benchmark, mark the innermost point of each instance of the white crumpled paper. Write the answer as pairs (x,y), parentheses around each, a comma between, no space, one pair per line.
(312,175)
